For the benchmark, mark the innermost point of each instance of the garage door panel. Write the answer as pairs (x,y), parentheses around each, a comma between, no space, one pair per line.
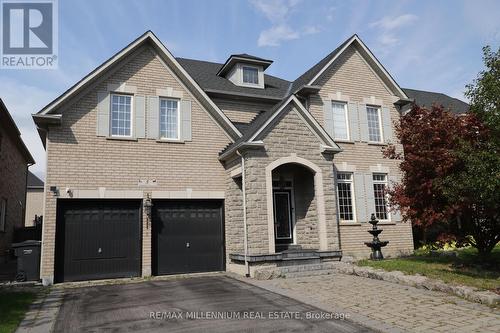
(98,239)
(188,236)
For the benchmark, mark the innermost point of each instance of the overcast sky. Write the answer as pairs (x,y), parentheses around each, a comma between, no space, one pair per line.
(428,45)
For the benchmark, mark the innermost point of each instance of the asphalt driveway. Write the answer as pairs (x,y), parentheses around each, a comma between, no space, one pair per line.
(191,305)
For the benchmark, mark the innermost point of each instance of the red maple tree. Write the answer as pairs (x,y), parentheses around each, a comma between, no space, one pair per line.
(429,137)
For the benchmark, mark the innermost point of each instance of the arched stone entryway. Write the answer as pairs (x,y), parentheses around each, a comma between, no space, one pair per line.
(294,165)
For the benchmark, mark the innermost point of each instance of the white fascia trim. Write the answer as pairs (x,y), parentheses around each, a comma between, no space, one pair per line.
(316,127)
(372,57)
(117,57)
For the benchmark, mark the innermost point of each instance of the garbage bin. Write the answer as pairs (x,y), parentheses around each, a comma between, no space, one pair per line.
(28,260)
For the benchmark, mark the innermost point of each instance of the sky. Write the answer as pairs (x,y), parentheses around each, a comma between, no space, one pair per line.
(427,45)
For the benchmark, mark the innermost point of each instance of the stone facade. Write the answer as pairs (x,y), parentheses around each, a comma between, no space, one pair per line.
(288,136)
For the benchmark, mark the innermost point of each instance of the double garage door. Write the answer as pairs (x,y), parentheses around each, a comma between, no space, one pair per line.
(102,239)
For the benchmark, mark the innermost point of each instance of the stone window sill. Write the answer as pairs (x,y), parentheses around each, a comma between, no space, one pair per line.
(383,144)
(169,141)
(344,141)
(120,138)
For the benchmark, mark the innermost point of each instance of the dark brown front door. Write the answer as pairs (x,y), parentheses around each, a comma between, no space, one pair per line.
(283,226)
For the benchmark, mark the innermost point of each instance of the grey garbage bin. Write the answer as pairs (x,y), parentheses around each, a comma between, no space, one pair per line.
(28,260)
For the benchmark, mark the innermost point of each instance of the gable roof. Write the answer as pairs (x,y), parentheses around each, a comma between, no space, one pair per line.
(261,122)
(428,98)
(166,56)
(311,76)
(11,129)
(205,74)
(33,181)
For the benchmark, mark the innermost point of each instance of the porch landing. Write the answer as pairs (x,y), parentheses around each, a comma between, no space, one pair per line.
(292,256)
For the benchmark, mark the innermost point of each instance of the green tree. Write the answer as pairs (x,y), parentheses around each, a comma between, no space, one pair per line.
(474,186)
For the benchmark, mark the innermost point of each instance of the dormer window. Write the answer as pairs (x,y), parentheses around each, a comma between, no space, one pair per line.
(250,75)
(245,70)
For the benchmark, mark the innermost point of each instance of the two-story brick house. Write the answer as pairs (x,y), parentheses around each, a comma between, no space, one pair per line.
(163,165)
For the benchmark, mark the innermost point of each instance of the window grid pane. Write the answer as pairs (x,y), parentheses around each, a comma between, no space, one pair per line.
(379,187)
(339,121)
(344,189)
(121,115)
(250,75)
(373,124)
(169,119)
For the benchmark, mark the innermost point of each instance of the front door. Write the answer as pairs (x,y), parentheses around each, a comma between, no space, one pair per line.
(283,226)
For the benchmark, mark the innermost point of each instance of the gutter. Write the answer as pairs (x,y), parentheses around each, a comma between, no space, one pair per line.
(245,231)
(240,146)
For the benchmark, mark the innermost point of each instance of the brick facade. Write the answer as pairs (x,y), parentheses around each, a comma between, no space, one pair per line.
(80,160)
(13,173)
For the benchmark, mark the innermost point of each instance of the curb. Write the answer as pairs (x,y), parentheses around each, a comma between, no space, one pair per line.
(42,314)
(420,282)
(357,318)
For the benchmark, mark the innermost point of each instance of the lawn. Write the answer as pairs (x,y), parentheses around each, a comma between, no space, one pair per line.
(13,306)
(464,269)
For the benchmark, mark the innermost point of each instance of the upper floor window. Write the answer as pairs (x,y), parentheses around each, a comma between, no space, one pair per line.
(374,130)
(379,187)
(121,115)
(345,196)
(340,128)
(169,119)
(250,75)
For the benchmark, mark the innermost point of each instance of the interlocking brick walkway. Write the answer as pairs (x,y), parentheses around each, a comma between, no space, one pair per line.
(402,307)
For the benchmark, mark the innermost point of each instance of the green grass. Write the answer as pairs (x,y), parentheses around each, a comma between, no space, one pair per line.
(465,269)
(13,306)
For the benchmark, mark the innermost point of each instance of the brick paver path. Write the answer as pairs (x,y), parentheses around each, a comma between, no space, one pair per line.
(405,308)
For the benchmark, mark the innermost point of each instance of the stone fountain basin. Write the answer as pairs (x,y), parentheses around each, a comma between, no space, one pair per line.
(377,243)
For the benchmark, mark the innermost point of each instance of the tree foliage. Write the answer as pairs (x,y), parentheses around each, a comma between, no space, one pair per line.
(451,164)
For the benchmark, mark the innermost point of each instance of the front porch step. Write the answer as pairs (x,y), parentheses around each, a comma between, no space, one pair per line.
(307,268)
(295,271)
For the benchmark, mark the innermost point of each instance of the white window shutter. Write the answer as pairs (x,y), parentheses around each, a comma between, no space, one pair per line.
(153,117)
(352,114)
(328,117)
(185,114)
(359,197)
(140,116)
(370,196)
(387,124)
(103,106)
(395,214)
(363,122)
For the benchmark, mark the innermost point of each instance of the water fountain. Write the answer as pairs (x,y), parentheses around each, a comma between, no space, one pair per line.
(376,244)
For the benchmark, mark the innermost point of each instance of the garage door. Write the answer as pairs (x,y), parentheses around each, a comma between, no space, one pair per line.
(188,236)
(98,239)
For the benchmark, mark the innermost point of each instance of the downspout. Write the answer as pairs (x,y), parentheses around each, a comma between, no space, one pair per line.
(245,233)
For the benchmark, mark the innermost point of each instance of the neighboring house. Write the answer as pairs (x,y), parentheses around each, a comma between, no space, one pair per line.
(34,200)
(163,165)
(14,161)
(428,99)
